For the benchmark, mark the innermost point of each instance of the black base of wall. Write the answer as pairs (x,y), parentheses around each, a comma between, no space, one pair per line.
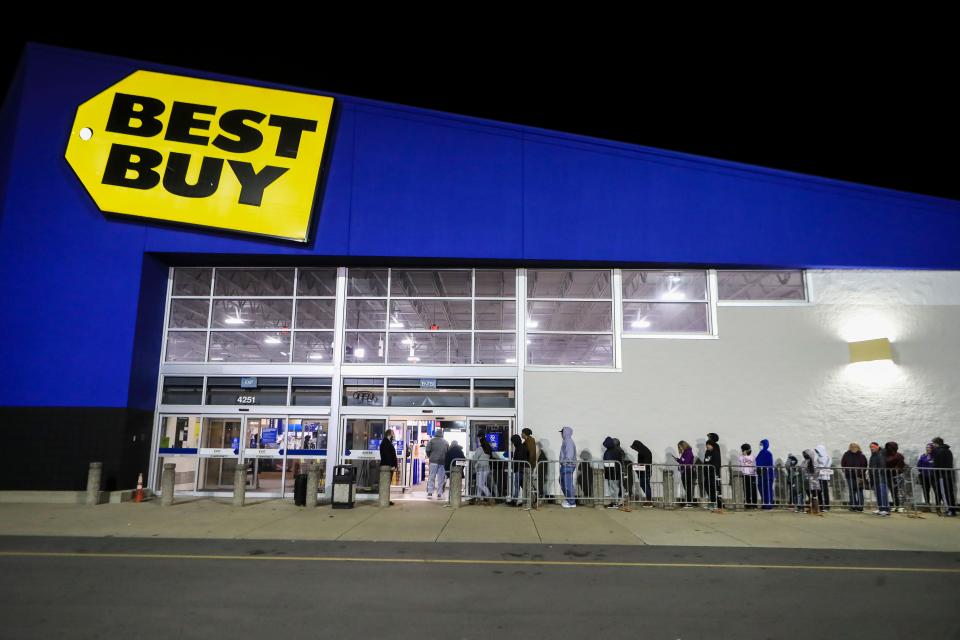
(55,446)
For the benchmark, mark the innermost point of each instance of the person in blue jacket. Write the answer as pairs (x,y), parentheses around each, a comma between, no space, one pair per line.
(765,471)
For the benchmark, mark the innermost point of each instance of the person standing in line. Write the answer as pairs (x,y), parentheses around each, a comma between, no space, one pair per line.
(878,478)
(765,471)
(925,466)
(611,473)
(533,456)
(811,475)
(824,464)
(437,449)
(895,467)
(388,452)
(644,460)
(853,463)
(718,466)
(568,467)
(482,460)
(686,472)
(795,482)
(945,476)
(748,469)
(519,458)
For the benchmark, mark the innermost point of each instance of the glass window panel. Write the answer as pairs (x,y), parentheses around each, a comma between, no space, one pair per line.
(316,314)
(227,391)
(495,315)
(494,393)
(367,282)
(666,317)
(496,283)
(191,282)
(189,314)
(252,314)
(424,283)
(409,393)
(570,350)
(313,346)
(366,314)
(581,283)
(307,433)
(311,391)
(425,314)
(495,348)
(244,346)
(178,390)
(317,282)
(361,348)
(186,346)
(429,348)
(665,285)
(760,285)
(544,315)
(363,392)
(254,282)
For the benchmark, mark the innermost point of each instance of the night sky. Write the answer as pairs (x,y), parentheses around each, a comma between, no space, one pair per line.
(880,113)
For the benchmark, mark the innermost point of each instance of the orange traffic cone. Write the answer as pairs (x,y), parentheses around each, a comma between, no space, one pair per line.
(139,497)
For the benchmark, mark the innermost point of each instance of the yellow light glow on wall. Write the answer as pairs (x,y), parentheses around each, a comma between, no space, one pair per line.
(868,350)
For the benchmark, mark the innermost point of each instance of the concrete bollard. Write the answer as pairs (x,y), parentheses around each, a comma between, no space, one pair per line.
(456,486)
(166,484)
(313,478)
(386,476)
(239,484)
(736,479)
(598,486)
(94,475)
(669,489)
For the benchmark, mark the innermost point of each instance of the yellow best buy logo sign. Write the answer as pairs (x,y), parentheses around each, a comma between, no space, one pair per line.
(202,152)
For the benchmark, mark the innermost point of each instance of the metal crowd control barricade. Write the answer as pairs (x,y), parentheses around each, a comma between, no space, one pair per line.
(497,480)
(593,482)
(935,490)
(672,485)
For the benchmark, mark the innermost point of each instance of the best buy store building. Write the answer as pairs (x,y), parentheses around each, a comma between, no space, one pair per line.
(213,272)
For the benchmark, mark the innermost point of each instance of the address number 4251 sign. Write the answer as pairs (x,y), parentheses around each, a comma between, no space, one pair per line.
(202,152)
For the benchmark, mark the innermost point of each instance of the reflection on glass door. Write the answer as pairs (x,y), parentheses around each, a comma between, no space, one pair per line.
(219,453)
(306,441)
(263,450)
(361,448)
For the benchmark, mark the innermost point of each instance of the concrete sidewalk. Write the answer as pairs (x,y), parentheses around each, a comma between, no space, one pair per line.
(433,522)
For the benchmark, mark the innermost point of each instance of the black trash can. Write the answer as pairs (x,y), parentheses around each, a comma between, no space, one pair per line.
(344,478)
(300,489)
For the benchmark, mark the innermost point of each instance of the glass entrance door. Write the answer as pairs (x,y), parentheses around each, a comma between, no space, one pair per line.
(263,454)
(360,447)
(219,452)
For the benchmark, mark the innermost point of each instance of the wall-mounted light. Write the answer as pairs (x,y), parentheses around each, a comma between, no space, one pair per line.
(869,350)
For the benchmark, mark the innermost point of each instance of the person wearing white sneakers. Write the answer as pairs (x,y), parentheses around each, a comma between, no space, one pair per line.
(568,467)
(878,477)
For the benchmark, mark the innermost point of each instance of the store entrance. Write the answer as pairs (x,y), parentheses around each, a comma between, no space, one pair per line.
(361,438)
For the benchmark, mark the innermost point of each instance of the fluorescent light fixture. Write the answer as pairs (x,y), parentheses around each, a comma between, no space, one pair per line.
(869,350)
(406,341)
(511,361)
(533,324)
(216,359)
(316,356)
(272,340)
(640,324)
(360,352)
(413,359)
(236,320)
(396,324)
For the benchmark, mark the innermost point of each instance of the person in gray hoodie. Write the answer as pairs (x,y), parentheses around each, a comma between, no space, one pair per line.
(437,455)
(568,467)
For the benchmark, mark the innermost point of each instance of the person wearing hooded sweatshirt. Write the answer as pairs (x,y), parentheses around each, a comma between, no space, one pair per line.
(853,462)
(765,471)
(568,467)
(895,466)
(711,457)
(925,466)
(454,452)
(811,476)
(795,482)
(519,456)
(748,470)
(437,455)
(945,476)
(482,461)
(611,473)
(878,478)
(685,461)
(644,460)
(824,464)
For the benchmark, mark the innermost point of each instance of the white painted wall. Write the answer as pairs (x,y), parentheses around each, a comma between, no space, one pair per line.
(778,372)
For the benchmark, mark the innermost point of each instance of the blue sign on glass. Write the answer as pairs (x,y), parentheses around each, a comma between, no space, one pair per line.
(374,444)
(268,436)
(494,440)
(248,383)
(235,443)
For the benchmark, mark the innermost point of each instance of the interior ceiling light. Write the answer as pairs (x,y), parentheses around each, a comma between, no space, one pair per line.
(359,352)
(640,324)
(236,320)
(674,295)
(272,340)
(413,359)
(511,361)
(533,324)
(316,356)
(396,324)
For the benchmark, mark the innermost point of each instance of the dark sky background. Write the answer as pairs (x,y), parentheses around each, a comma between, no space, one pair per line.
(882,113)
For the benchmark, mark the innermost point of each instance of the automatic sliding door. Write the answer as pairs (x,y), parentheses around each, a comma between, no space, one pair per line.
(219,453)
